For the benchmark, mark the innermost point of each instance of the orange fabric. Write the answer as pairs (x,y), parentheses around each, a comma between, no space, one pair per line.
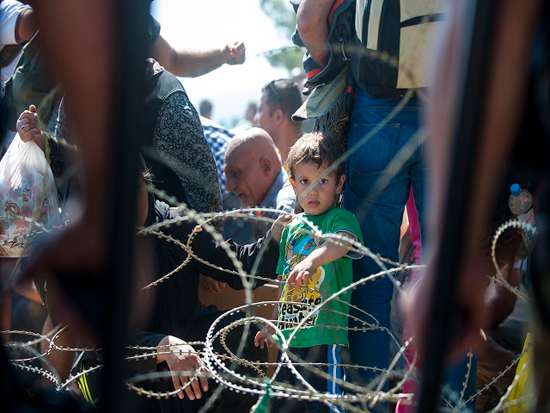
(313,73)
(333,9)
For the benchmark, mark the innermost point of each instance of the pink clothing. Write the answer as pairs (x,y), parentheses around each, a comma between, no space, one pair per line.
(414,228)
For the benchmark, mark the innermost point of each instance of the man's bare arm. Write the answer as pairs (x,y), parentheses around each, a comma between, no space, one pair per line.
(311,20)
(26,26)
(189,63)
(509,62)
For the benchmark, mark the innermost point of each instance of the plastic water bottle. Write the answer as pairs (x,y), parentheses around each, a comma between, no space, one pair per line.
(520,203)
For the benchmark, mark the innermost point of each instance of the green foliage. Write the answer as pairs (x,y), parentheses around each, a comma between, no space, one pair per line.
(282,14)
(288,58)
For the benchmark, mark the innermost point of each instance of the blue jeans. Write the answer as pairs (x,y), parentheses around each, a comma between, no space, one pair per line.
(378,198)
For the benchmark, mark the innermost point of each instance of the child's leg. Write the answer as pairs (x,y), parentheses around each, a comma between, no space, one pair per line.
(285,376)
(328,356)
(330,362)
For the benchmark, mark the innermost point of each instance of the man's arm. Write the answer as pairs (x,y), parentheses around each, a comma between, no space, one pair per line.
(514,30)
(84,64)
(265,250)
(311,20)
(187,63)
(502,303)
(26,26)
(17,22)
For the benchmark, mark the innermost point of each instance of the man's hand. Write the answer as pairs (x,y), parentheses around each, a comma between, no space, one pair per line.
(181,357)
(234,53)
(301,273)
(28,127)
(74,255)
(211,285)
(471,310)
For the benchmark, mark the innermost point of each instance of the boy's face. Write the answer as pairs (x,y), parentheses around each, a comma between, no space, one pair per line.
(321,196)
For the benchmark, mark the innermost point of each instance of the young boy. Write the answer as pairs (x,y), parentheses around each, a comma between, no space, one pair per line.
(314,268)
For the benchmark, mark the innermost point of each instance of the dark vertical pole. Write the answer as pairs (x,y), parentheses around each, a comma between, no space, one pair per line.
(476,58)
(129,71)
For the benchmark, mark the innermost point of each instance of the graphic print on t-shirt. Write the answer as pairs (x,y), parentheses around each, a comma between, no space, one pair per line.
(298,303)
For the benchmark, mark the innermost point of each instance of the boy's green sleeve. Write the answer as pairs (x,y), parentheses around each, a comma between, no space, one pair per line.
(343,220)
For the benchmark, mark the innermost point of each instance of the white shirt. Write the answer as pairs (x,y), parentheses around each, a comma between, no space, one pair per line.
(10,10)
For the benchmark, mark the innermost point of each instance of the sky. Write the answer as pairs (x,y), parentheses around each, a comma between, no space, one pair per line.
(203,24)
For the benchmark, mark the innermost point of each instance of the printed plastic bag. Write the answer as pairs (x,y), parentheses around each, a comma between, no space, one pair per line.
(28,197)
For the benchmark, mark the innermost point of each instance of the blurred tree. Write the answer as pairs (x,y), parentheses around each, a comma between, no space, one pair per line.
(282,14)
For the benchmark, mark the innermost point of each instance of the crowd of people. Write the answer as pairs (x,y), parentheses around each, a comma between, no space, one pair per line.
(315,213)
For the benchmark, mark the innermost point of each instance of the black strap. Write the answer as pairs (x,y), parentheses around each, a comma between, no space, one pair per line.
(9,53)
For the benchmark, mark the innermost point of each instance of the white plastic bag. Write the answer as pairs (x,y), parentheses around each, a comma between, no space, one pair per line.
(28,197)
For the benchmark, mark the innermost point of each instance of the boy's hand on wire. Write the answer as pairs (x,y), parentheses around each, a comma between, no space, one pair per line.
(301,274)
(263,337)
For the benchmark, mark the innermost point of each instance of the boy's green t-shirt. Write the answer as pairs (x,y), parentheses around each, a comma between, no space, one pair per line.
(296,244)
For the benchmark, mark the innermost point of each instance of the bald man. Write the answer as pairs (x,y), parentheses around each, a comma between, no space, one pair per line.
(255,175)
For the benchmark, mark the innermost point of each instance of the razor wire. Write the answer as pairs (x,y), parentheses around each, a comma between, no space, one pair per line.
(225,378)
(361,398)
(229,379)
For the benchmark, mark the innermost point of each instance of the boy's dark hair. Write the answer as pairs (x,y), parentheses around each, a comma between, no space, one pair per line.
(315,147)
